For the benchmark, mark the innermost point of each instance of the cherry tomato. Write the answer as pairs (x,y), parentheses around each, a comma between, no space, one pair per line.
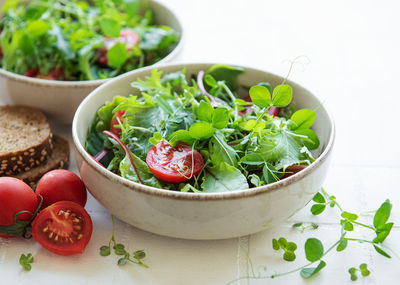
(32,72)
(127,37)
(114,122)
(64,228)
(174,164)
(61,185)
(56,73)
(15,196)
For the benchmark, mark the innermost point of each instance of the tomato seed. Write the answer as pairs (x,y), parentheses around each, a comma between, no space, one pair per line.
(80,236)
(77,227)
(76,220)
(45,229)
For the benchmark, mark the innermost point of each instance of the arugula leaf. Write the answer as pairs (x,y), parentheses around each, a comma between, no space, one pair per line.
(223,178)
(145,174)
(221,152)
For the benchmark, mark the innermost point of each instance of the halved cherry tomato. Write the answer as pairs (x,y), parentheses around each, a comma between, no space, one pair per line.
(64,228)
(114,125)
(61,185)
(127,37)
(56,73)
(15,196)
(32,72)
(174,164)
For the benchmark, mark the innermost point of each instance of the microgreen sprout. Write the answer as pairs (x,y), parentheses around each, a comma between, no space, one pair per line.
(314,248)
(288,248)
(119,250)
(302,227)
(363,270)
(25,261)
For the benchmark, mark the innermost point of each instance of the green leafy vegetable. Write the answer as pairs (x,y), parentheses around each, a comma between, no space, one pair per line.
(25,261)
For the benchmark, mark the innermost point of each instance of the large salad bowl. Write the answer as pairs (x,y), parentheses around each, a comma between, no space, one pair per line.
(201,215)
(59,99)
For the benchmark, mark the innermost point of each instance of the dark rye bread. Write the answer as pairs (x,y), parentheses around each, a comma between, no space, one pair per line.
(25,141)
(59,158)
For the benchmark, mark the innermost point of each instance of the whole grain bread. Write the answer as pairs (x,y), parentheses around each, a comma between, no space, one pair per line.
(59,158)
(25,141)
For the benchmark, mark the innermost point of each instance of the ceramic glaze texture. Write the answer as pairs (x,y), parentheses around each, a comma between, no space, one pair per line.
(196,215)
(59,99)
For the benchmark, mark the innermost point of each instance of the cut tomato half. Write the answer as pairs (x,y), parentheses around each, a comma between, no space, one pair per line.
(64,228)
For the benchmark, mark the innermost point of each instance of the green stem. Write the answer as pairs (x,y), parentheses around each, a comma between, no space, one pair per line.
(363,225)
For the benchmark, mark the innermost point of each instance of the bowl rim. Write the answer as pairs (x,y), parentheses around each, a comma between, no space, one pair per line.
(97,82)
(153,191)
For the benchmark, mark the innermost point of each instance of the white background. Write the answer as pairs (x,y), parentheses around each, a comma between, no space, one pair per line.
(352,50)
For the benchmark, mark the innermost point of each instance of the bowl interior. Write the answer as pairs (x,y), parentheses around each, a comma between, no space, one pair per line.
(84,115)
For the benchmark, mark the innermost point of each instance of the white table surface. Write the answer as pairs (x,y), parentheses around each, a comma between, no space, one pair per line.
(353,51)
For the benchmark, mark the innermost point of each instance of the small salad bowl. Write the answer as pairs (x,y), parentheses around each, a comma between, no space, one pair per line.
(201,216)
(59,99)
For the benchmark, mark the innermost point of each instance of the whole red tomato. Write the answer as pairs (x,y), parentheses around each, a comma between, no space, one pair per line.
(64,228)
(15,196)
(61,185)
(174,164)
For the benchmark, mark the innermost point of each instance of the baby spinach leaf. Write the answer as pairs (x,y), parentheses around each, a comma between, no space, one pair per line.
(223,178)
(226,73)
(110,27)
(117,55)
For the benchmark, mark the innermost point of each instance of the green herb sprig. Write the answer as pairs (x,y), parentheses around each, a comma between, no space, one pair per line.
(119,249)
(26,260)
(314,249)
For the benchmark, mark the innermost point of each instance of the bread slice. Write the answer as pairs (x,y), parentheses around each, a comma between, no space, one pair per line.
(25,141)
(59,158)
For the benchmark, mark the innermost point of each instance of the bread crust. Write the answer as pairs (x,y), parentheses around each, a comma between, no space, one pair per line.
(32,154)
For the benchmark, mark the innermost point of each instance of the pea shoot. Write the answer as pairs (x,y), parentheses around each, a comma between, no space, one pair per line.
(314,249)
(25,261)
(119,249)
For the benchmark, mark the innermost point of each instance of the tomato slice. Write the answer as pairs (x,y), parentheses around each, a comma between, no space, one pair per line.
(174,164)
(64,228)
(115,123)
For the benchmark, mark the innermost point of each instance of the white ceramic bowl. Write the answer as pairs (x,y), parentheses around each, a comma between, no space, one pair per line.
(59,99)
(196,215)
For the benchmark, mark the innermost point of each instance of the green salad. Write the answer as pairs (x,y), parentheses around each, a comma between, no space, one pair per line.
(198,135)
(80,40)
